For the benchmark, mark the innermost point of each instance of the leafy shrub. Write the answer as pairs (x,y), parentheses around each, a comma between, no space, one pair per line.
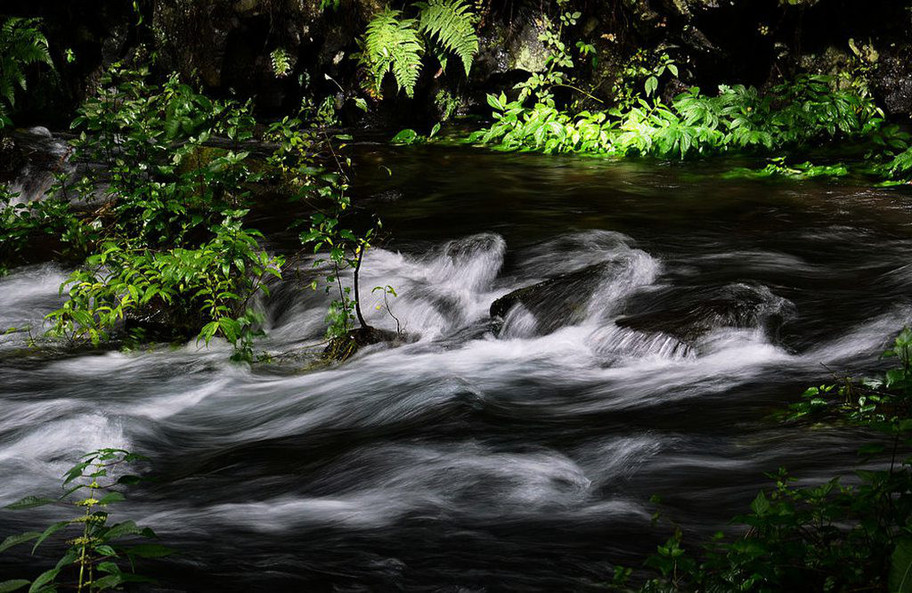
(796,114)
(93,558)
(214,281)
(22,222)
(828,537)
(168,239)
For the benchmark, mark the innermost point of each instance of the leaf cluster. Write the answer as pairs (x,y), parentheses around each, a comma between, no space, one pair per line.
(96,550)
(21,44)
(394,44)
(825,537)
(738,118)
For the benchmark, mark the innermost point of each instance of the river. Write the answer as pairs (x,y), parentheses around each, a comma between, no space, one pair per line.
(515,457)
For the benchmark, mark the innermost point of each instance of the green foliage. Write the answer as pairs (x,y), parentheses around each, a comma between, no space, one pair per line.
(388,291)
(641,72)
(795,114)
(214,281)
(559,59)
(394,45)
(168,242)
(451,24)
(21,44)
(341,248)
(406,137)
(447,103)
(778,168)
(826,537)
(281,62)
(900,167)
(344,251)
(96,549)
(23,222)
(164,178)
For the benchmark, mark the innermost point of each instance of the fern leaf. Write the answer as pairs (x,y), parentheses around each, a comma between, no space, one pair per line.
(392,44)
(21,44)
(451,23)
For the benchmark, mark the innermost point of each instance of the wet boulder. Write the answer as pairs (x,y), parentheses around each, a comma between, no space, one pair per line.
(346,346)
(554,303)
(691,314)
(893,79)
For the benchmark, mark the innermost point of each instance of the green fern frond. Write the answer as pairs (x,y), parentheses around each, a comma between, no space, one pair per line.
(392,45)
(21,44)
(451,23)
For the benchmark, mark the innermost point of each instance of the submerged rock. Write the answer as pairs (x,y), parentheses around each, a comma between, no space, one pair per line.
(344,347)
(554,303)
(158,322)
(689,316)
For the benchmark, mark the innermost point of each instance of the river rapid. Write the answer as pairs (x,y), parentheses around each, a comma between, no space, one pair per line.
(518,455)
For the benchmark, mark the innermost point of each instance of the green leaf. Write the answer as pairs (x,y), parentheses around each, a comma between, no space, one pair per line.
(109,567)
(29,502)
(149,551)
(406,136)
(112,497)
(495,103)
(43,579)
(760,506)
(49,532)
(15,540)
(120,530)
(68,558)
(392,45)
(652,83)
(451,24)
(108,582)
(8,586)
(900,578)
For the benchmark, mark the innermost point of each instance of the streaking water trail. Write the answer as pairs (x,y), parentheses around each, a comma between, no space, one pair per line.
(639,351)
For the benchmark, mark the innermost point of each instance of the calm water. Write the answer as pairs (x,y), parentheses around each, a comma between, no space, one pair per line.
(520,459)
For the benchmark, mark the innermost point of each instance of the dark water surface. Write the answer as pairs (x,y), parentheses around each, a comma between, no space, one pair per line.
(468,461)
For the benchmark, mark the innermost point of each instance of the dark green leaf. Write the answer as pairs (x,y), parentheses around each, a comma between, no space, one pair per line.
(49,532)
(15,540)
(43,579)
(29,502)
(900,578)
(149,551)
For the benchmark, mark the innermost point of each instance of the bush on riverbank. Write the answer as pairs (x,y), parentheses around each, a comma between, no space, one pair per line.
(827,537)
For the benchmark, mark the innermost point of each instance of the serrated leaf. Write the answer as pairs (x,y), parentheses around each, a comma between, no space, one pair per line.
(21,538)
(760,506)
(43,579)
(29,502)
(49,532)
(112,497)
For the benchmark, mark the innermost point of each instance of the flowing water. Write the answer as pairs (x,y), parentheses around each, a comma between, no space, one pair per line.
(510,455)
